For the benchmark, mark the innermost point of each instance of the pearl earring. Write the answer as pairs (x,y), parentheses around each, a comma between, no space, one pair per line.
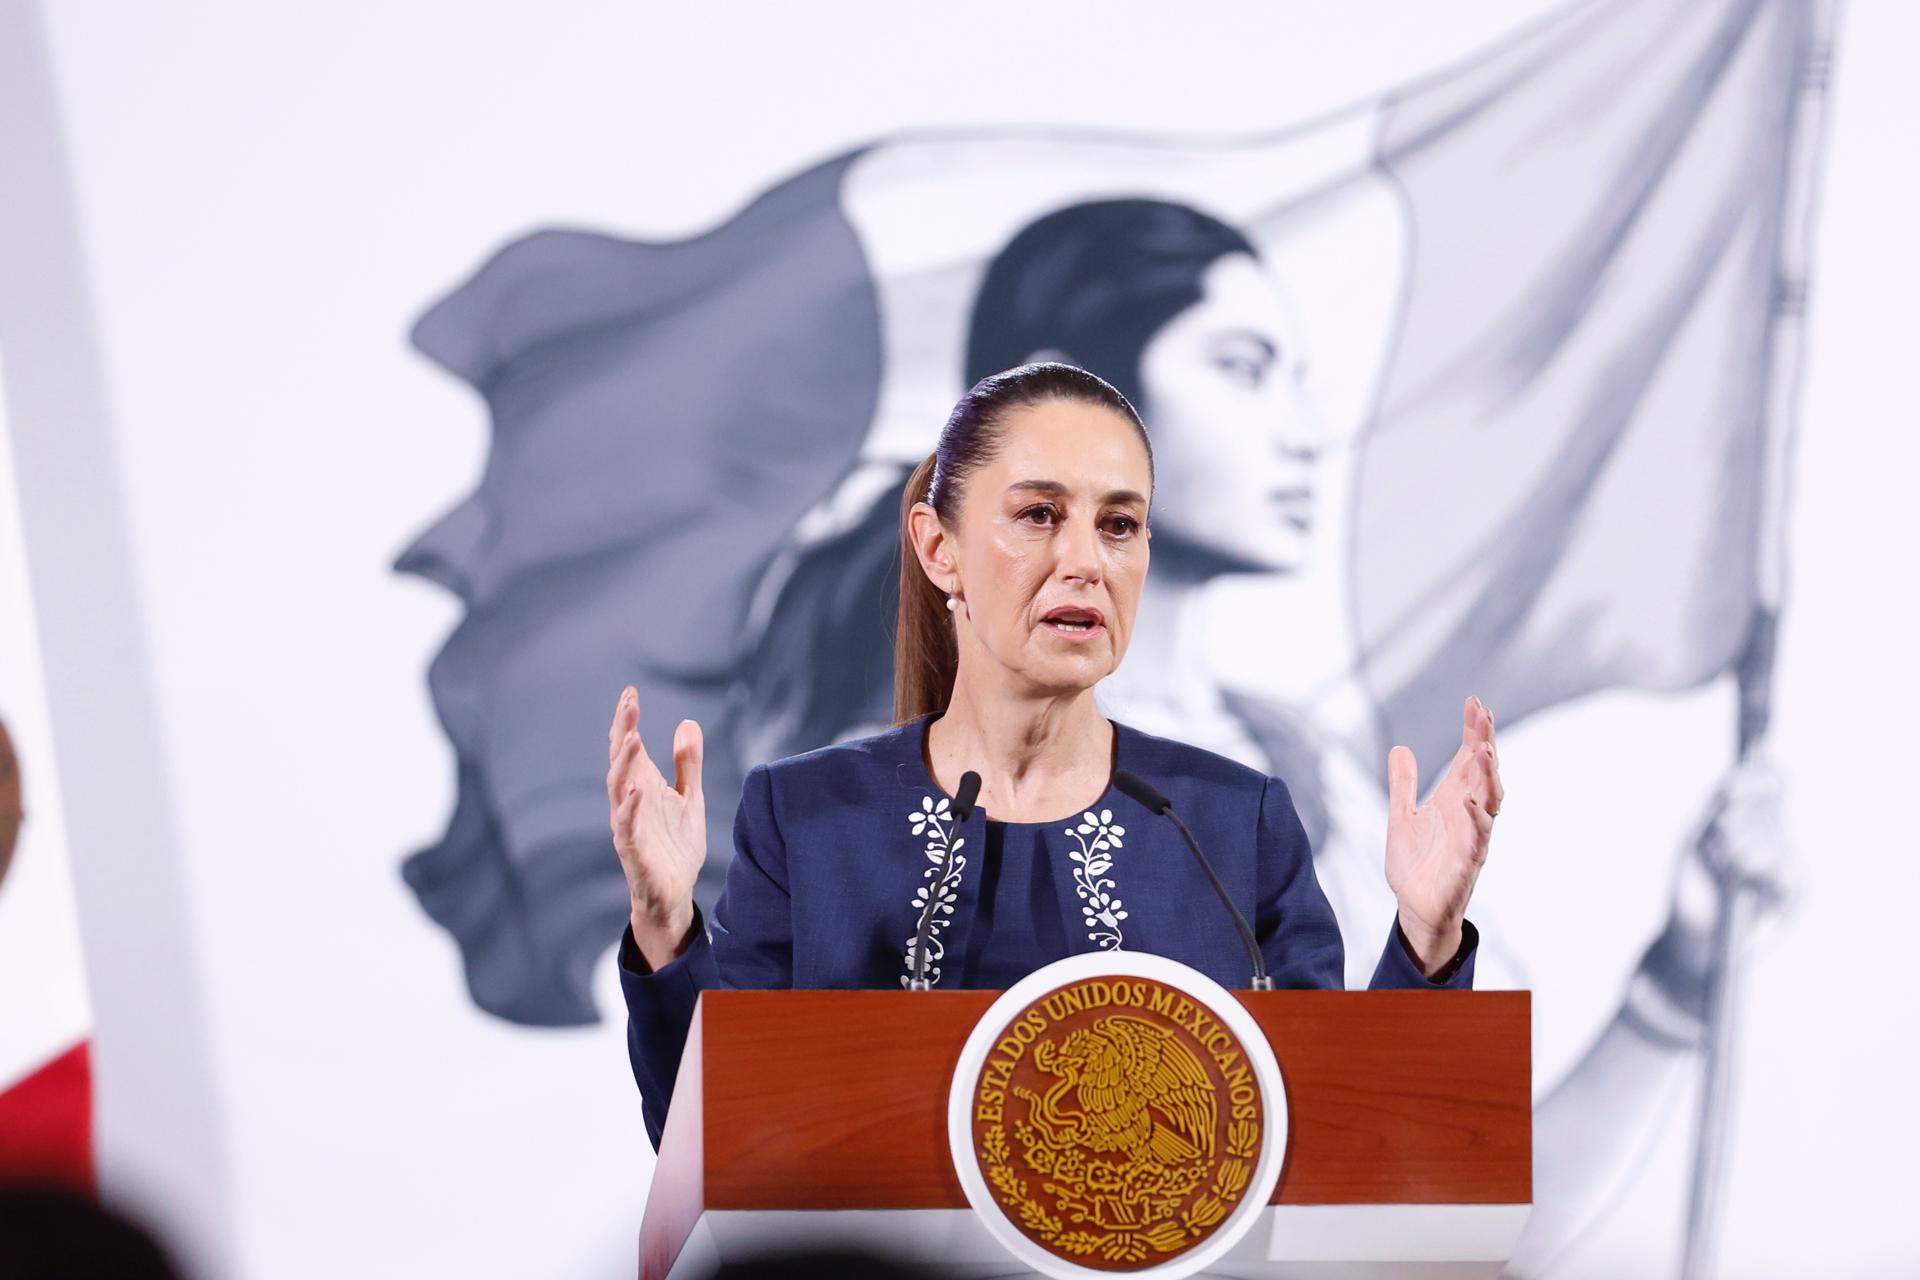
(953,604)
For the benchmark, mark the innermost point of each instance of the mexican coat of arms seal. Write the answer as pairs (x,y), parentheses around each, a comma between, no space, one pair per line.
(1117,1112)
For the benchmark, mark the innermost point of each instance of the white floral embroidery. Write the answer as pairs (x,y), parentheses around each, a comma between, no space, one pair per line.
(935,821)
(1102,910)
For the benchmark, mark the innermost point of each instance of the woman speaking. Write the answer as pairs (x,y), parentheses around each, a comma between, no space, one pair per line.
(1025,544)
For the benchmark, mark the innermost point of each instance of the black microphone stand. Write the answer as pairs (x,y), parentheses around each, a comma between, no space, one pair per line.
(1152,799)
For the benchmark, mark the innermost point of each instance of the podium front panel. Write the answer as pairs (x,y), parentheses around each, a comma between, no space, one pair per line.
(837,1099)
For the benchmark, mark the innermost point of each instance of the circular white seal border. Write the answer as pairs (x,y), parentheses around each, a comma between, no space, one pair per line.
(1197,986)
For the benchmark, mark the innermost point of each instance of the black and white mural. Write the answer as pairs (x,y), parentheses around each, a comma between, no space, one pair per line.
(1484,386)
(383,387)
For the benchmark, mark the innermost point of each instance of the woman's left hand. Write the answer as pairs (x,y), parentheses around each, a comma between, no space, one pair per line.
(1435,850)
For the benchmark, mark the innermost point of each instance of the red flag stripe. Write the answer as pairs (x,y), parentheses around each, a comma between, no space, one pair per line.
(46,1124)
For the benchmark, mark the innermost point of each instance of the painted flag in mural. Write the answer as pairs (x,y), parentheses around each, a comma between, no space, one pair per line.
(1529,302)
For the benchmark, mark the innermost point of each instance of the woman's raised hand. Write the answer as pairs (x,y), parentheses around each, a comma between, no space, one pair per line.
(1435,850)
(659,831)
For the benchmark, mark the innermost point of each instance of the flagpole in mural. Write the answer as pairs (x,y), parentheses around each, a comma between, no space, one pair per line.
(1738,906)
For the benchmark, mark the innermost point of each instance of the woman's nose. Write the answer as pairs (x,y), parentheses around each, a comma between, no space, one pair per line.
(1078,546)
(1302,434)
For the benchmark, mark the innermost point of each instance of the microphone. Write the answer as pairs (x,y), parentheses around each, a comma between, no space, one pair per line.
(963,802)
(1151,798)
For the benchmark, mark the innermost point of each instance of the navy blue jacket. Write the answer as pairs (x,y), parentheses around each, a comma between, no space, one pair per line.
(838,850)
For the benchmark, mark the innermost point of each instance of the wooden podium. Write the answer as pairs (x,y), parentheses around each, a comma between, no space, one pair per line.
(818,1119)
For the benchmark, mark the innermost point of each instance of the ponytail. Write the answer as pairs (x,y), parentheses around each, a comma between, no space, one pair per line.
(925,657)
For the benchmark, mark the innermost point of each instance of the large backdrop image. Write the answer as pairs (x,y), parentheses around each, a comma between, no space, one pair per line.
(443,374)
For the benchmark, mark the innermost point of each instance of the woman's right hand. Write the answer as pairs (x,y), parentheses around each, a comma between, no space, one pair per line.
(659,831)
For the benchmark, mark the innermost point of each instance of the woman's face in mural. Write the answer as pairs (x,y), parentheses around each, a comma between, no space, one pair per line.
(1234,439)
(1051,547)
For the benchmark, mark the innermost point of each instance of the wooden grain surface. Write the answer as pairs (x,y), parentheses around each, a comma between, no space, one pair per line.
(837,1099)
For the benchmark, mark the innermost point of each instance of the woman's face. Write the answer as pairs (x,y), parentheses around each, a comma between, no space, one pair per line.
(1050,550)
(1234,439)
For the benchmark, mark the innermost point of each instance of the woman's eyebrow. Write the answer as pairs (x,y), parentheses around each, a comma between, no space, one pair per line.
(1054,489)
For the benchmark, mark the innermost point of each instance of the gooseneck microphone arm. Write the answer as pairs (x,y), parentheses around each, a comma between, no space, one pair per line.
(964,799)
(1150,797)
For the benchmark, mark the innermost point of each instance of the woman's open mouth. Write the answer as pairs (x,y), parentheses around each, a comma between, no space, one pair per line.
(1074,622)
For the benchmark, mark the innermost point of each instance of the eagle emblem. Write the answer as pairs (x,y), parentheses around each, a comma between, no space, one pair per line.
(1134,1089)
(1114,1123)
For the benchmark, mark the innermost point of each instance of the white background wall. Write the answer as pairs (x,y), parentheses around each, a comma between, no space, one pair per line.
(269,193)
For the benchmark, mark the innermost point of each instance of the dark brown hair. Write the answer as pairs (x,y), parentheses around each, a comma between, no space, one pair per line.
(925,654)
(1096,281)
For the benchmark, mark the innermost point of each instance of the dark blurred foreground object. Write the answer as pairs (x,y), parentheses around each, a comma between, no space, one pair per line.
(821,1265)
(48,1233)
(11,812)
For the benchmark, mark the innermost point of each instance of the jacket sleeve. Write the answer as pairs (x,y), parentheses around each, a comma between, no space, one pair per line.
(747,943)
(1295,925)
